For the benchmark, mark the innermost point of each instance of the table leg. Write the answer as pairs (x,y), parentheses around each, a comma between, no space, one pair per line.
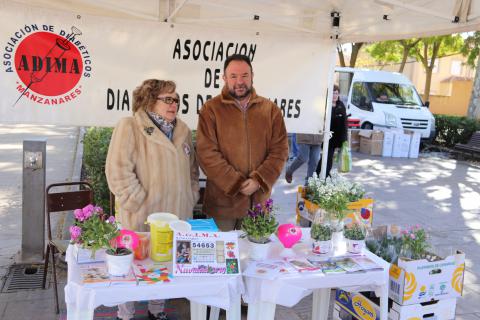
(198,311)
(214,313)
(320,304)
(384,302)
(235,312)
(261,311)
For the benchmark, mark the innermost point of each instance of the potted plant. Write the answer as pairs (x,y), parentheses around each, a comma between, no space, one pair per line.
(91,233)
(94,236)
(333,195)
(322,238)
(355,235)
(414,243)
(120,253)
(259,225)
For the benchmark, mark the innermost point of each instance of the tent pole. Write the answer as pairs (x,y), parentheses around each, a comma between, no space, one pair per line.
(328,111)
(175,11)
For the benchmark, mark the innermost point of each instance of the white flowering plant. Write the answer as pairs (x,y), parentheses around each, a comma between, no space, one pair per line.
(333,194)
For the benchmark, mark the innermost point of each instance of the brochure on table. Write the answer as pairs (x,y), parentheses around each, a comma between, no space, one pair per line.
(198,253)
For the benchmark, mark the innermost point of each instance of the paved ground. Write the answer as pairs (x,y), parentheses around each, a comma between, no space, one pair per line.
(441,194)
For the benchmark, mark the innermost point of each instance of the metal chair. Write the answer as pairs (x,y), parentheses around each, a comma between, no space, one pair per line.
(58,202)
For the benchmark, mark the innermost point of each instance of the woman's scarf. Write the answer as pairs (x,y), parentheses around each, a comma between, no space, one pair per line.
(165,126)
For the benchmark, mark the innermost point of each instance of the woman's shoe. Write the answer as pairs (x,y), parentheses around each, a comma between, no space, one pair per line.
(159,316)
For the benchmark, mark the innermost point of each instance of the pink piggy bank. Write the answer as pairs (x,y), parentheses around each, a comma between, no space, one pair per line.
(289,234)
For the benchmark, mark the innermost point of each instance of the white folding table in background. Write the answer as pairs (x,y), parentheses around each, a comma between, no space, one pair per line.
(263,295)
(219,291)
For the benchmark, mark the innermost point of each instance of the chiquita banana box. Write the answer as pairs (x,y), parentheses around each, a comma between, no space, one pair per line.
(417,281)
(356,306)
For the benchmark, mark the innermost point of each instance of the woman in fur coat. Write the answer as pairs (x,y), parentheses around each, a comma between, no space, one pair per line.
(151,166)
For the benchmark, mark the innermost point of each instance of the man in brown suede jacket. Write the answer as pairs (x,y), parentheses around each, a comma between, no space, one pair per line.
(241,144)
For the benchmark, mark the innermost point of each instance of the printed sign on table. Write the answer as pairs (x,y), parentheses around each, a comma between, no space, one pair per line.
(206,254)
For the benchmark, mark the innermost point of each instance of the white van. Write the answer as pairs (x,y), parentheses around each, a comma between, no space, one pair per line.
(385,99)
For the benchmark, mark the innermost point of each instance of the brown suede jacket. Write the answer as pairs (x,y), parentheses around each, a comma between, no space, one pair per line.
(233,145)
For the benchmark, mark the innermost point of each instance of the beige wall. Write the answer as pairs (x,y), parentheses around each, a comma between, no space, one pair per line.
(445,68)
(456,103)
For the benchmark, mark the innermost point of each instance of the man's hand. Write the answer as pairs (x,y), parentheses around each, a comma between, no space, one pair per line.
(249,186)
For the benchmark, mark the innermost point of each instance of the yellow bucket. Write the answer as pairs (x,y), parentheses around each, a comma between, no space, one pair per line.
(161,236)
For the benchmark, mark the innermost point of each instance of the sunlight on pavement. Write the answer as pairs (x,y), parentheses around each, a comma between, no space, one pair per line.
(439,192)
(469,199)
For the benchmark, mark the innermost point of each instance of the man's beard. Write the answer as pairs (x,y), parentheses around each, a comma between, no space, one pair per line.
(232,92)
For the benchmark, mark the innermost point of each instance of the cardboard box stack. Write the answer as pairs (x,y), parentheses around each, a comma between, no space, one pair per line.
(418,289)
(414,148)
(388,138)
(387,142)
(371,142)
(354,139)
(401,145)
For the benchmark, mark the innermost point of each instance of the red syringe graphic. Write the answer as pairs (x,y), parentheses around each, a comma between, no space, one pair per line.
(56,52)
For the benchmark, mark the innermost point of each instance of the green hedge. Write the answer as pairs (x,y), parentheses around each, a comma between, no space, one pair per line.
(95,148)
(454,129)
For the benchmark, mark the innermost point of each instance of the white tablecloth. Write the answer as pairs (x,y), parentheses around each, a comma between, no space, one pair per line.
(221,291)
(288,290)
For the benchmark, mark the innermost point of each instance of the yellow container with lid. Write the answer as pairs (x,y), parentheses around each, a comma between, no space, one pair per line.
(161,236)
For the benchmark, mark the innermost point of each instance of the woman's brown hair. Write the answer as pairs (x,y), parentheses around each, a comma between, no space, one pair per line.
(145,95)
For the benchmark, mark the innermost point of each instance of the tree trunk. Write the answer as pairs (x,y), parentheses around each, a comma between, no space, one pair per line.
(407,46)
(340,55)
(428,81)
(474,105)
(404,59)
(355,50)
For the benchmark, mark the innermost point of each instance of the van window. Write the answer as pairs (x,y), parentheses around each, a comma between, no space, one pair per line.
(360,97)
(394,93)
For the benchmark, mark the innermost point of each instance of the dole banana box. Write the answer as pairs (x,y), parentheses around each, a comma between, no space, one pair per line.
(417,281)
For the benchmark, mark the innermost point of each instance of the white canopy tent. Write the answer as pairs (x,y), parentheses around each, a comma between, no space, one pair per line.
(360,20)
(293,42)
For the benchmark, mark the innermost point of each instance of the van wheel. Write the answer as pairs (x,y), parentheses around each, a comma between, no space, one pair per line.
(367,125)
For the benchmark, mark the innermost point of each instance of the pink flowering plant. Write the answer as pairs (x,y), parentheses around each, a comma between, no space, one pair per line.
(414,243)
(260,222)
(93,229)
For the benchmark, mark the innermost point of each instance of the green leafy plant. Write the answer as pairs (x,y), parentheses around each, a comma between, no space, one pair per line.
(93,229)
(321,232)
(95,149)
(454,129)
(354,232)
(260,222)
(414,243)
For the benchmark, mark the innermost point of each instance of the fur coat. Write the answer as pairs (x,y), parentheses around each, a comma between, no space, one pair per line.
(234,145)
(149,173)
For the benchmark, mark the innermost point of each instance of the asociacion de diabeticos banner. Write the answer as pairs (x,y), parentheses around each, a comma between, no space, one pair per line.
(67,69)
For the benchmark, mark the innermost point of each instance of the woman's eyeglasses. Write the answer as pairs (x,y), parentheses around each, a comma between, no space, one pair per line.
(169,100)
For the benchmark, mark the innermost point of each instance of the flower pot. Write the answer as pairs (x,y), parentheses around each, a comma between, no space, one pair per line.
(119,265)
(338,240)
(321,246)
(259,251)
(355,246)
(83,255)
